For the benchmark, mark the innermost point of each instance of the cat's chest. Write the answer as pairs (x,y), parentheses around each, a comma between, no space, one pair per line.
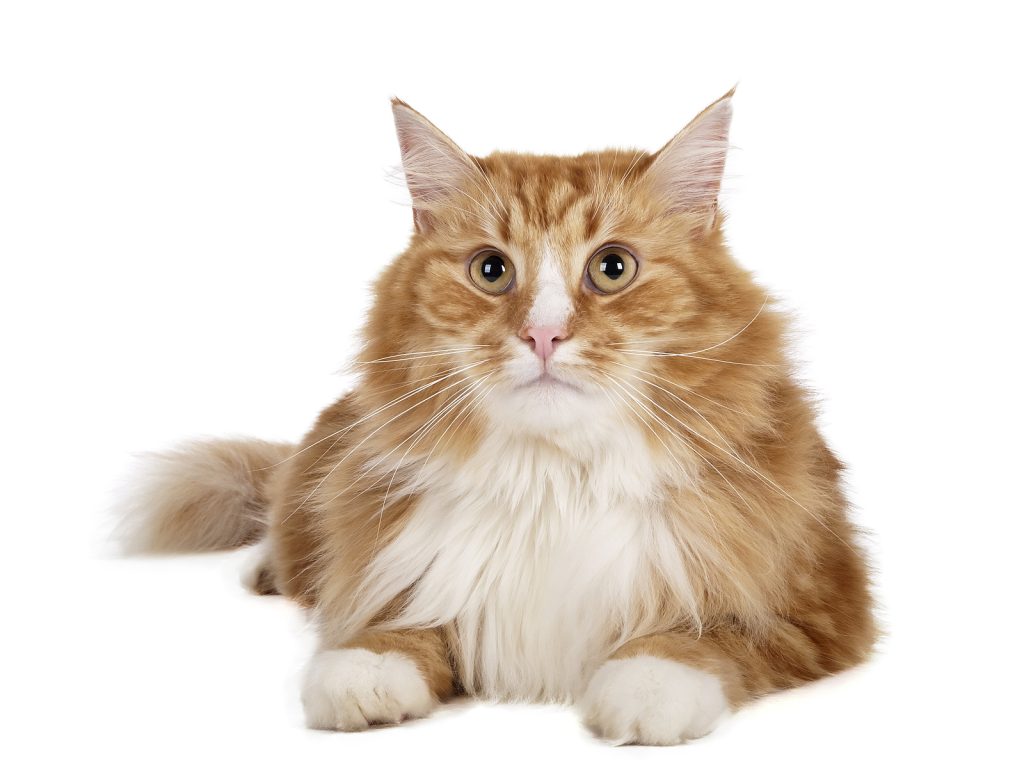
(536,561)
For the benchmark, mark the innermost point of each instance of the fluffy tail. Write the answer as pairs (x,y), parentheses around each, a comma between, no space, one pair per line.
(205,495)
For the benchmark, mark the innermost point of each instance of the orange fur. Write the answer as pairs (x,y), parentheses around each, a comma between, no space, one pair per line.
(692,353)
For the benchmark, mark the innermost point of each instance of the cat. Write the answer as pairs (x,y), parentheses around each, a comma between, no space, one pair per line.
(576,466)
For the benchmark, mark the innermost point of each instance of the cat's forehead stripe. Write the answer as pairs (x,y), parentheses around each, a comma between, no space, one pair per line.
(541,195)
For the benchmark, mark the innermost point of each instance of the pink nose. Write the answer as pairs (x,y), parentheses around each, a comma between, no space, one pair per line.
(543,339)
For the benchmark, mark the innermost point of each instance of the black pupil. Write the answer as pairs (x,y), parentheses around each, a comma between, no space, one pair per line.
(612,266)
(492,268)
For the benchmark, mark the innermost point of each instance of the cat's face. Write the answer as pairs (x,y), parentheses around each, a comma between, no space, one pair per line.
(555,291)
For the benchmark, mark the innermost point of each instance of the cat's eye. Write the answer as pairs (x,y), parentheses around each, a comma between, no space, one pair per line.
(611,269)
(491,271)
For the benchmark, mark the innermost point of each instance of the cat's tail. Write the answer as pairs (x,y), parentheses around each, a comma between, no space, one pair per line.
(206,495)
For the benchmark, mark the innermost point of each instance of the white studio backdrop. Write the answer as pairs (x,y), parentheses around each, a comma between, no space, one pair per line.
(194,198)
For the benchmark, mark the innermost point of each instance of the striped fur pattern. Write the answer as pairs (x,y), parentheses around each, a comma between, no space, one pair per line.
(647,523)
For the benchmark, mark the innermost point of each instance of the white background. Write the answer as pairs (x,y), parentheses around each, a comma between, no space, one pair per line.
(193,198)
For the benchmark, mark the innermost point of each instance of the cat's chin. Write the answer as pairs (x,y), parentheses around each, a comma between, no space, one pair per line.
(544,404)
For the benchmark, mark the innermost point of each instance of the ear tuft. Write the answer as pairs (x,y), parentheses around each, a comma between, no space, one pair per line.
(688,170)
(435,167)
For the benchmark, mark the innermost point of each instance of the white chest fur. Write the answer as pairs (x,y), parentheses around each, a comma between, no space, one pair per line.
(541,558)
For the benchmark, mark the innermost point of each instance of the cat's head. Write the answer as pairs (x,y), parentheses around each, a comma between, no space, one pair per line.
(546,292)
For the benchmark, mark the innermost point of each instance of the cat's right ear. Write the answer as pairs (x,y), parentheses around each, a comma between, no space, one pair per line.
(436,169)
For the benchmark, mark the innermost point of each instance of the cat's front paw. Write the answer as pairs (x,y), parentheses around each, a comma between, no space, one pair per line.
(353,688)
(652,700)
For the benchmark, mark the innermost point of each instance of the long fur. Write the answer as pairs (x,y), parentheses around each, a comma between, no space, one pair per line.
(659,494)
(203,496)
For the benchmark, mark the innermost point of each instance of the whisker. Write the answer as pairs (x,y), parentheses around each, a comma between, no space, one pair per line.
(405,356)
(418,431)
(379,428)
(463,395)
(343,430)
(648,353)
(705,349)
(764,479)
(460,418)
(380,517)
(672,455)
(687,405)
(693,446)
(405,383)
(735,335)
(694,554)
(688,390)
(435,380)
(689,444)
(396,365)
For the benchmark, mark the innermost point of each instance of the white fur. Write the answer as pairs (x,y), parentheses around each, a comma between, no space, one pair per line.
(568,399)
(352,688)
(651,700)
(564,403)
(544,552)
(551,302)
(257,561)
(548,548)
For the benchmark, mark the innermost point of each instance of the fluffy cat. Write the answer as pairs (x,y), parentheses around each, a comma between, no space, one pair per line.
(577,466)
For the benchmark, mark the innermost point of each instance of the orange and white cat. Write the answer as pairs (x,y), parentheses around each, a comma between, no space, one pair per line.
(576,467)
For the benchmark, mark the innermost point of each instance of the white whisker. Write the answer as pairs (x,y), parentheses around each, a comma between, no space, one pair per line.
(435,379)
(693,553)
(462,397)
(735,335)
(433,376)
(688,390)
(420,430)
(648,353)
(379,428)
(693,446)
(406,356)
(696,351)
(764,479)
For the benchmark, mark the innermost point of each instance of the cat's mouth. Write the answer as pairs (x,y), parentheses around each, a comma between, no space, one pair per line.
(548,381)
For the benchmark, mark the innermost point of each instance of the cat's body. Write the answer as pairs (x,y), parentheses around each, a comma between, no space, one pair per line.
(532,569)
(567,489)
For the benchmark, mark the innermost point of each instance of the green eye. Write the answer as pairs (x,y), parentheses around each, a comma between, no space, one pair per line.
(491,271)
(611,269)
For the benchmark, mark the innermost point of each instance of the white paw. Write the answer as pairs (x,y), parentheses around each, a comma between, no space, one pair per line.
(651,700)
(352,688)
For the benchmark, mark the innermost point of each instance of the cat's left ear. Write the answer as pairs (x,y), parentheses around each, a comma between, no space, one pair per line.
(687,172)
(436,169)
